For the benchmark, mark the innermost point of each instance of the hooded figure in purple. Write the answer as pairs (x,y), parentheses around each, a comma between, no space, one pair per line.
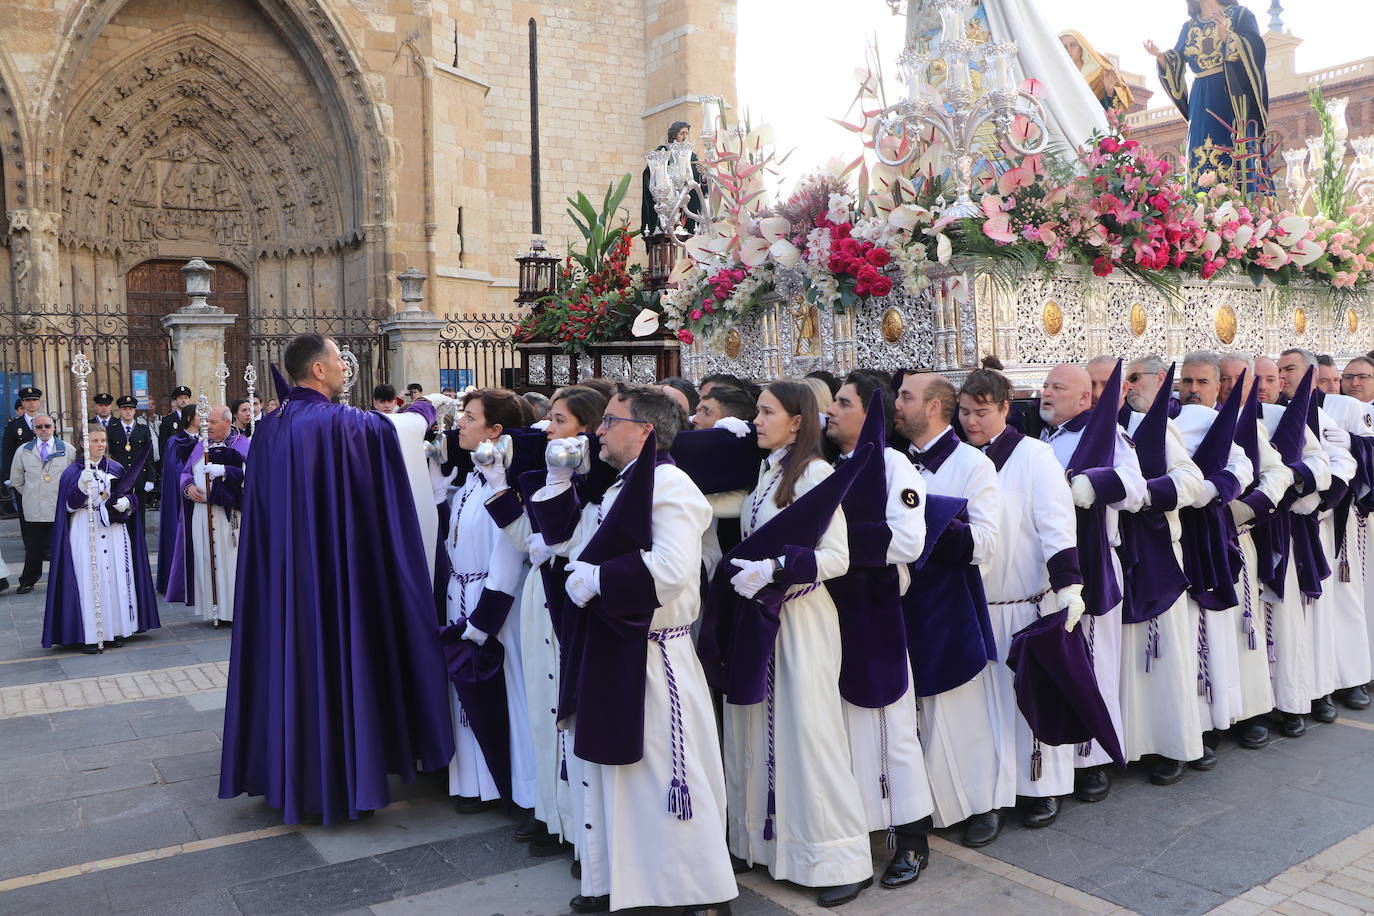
(336,680)
(172,585)
(102,602)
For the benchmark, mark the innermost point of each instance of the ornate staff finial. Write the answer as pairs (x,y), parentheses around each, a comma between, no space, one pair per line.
(350,364)
(222,374)
(250,381)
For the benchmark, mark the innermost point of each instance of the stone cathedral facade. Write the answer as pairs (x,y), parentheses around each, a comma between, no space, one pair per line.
(311,150)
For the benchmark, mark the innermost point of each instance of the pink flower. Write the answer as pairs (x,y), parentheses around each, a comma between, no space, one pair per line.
(998,228)
(1109,145)
(1210,267)
(881,286)
(696,314)
(1102,266)
(686,336)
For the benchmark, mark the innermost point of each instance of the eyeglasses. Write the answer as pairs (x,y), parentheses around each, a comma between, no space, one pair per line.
(1357,377)
(608,421)
(1136,376)
(42,426)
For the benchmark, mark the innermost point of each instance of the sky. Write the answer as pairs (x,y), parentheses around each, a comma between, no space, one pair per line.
(796,58)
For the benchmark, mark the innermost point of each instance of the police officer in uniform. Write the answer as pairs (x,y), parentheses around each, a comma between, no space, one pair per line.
(18,431)
(128,438)
(171,424)
(102,409)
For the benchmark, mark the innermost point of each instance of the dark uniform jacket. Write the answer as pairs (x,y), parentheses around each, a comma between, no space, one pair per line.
(125,448)
(17,432)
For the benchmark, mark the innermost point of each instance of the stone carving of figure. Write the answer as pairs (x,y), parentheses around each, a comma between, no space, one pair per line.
(145,191)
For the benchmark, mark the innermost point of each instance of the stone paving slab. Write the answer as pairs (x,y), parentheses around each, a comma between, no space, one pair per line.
(85,692)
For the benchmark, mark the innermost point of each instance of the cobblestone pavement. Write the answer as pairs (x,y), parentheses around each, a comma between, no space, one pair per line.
(109,772)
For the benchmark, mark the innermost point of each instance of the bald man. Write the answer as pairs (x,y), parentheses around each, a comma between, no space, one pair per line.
(1065,400)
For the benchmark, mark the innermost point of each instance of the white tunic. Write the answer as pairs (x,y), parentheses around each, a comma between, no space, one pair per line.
(1037,512)
(480,558)
(632,847)
(1104,631)
(961,728)
(885,744)
(218,603)
(1161,707)
(113,574)
(1292,670)
(1343,593)
(820,836)
(410,432)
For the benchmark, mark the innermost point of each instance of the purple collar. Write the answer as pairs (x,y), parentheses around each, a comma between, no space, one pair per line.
(1072,425)
(302,393)
(1000,449)
(934,456)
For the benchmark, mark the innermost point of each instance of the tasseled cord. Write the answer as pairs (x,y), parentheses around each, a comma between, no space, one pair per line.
(1037,761)
(679,794)
(772,809)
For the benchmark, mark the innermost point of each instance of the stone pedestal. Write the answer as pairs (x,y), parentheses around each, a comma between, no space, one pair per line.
(413,339)
(198,347)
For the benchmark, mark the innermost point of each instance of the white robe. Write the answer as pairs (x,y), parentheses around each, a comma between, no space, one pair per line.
(631,846)
(113,574)
(820,834)
(476,547)
(1104,630)
(885,744)
(1344,594)
(1037,512)
(410,432)
(1162,707)
(1287,619)
(961,728)
(217,604)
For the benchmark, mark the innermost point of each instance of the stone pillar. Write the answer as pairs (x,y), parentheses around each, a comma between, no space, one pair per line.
(413,337)
(198,330)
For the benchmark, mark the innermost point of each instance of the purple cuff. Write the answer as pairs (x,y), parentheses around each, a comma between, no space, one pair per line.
(1259,504)
(233,475)
(955,546)
(1163,493)
(1064,569)
(1228,487)
(505,508)
(868,542)
(1334,493)
(799,566)
(557,517)
(76,499)
(490,614)
(1106,484)
(626,584)
(1303,478)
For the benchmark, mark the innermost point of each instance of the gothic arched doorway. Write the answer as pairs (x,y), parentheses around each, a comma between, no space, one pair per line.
(155,289)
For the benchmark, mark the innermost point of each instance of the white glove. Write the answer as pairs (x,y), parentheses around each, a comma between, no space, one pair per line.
(86,479)
(1070,598)
(540,425)
(214,471)
(539,550)
(1336,436)
(1241,513)
(495,473)
(1209,493)
(1083,493)
(148,487)
(583,582)
(734,425)
(472,634)
(121,504)
(753,575)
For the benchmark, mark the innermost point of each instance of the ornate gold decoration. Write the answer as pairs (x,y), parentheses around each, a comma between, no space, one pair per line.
(1052,318)
(732,343)
(807,319)
(1300,320)
(893,326)
(1352,321)
(1226,324)
(1137,319)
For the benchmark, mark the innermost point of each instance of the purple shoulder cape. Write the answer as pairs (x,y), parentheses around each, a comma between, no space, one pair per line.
(62,616)
(738,634)
(227,493)
(1095,456)
(171,581)
(1211,554)
(336,678)
(949,632)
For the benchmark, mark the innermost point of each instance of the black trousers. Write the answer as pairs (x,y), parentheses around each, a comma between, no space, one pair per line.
(37,539)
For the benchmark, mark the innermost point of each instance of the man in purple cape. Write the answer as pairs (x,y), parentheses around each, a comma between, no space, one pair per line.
(66,621)
(172,585)
(336,679)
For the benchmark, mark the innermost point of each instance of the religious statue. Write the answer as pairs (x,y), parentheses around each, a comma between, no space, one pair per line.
(1102,76)
(1228,105)
(808,327)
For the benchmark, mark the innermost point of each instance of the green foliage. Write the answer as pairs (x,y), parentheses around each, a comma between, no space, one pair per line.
(598,232)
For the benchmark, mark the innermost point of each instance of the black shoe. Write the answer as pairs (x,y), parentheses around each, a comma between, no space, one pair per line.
(1092,785)
(465,805)
(1294,726)
(1356,698)
(841,894)
(575,870)
(1323,710)
(542,847)
(906,866)
(982,829)
(1208,760)
(1254,736)
(90,648)
(4,585)
(1166,771)
(739,865)
(584,904)
(531,829)
(118,642)
(1041,812)
(714,909)
(23,589)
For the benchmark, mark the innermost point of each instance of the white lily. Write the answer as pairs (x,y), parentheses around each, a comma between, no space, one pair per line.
(753,251)
(1243,236)
(1211,243)
(1305,252)
(907,216)
(646,323)
(681,269)
(943,248)
(1292,228)
(774,228)
(784,253)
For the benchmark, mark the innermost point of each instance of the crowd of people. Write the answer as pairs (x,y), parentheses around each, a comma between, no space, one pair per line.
(693,630)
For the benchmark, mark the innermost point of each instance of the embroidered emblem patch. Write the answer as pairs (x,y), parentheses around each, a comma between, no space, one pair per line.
(910,498)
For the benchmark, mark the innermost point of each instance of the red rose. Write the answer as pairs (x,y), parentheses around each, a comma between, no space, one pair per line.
(849,248)
(1109,145)
(878,257)
(1211,267)
(685,336)
(842,230)
(1102,266)
(881,286)
(837,263)
(868,273)
(861,288)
